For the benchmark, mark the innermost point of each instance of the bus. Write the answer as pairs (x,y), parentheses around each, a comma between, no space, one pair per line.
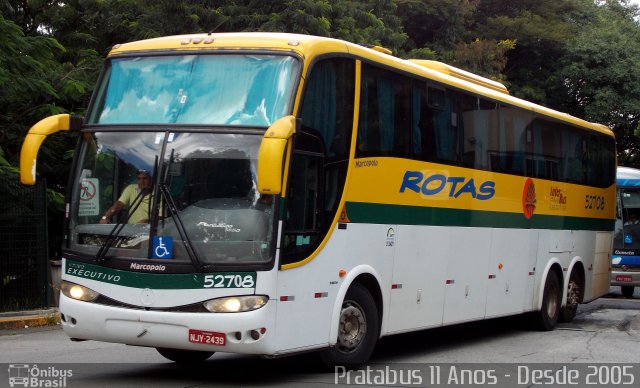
(310,194)
(625,261)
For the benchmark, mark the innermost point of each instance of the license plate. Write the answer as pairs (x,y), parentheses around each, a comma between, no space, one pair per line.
(207,337)
(623,278)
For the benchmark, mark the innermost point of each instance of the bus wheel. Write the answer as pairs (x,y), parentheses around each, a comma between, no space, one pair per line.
(627,291)
(184,356)
(358,330)
(548,315)
(574,297)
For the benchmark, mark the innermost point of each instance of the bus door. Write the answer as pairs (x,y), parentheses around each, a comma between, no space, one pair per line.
(302,232)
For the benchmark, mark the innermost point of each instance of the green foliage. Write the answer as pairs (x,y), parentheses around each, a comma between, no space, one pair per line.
(484,57)
(422,53)
(28,66)
(543,30)
(437,24)
(6,168)
(578,56)
(601,76)
(372,22)
(299,16)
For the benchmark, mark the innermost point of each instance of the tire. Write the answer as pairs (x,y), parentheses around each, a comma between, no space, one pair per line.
(358,330)
(575,292)
(627,291)
(549,313)
(184,356)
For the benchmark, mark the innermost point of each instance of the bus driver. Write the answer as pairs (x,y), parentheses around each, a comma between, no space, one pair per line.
(141,214)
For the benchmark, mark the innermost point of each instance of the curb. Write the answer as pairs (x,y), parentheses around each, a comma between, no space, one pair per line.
(23,320)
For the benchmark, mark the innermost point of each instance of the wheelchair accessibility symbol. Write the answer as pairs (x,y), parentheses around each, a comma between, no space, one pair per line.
(163,247)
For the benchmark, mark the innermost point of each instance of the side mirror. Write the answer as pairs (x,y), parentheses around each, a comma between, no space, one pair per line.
(271,156)
(35,137)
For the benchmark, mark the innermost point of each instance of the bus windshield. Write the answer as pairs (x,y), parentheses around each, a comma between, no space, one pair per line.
(206,197)
(253,90)
(628,220)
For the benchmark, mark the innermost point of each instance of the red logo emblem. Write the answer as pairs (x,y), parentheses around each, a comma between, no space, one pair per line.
(529,198)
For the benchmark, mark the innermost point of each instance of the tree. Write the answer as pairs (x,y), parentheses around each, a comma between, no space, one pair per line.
(27,68)
(601,75)
(35,83)
(99,25)
(484,57)
(438,25)
(51,50)
(542,30)
(371,22)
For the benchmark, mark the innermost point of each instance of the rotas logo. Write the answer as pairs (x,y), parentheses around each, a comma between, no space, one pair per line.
(454,186)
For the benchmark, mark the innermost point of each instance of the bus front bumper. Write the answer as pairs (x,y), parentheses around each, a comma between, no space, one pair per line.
(248,333)
(625,278)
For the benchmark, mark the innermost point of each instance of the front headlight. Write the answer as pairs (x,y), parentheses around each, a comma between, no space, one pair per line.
(76,291)
(236,304)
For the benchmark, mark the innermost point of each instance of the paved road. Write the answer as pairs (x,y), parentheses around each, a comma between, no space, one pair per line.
(605,331)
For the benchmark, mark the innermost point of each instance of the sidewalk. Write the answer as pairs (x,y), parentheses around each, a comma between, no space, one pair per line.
(24,319)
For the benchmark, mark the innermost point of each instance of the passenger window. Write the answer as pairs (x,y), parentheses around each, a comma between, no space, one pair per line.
(327,105)
(385,112)
(544,150)
(479,118)
(507,152)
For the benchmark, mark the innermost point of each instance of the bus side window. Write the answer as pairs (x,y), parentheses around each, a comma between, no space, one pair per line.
(302,217)
(479,117)
(423,123)
(321,156)
(435,128)
(509,153)
(385,110)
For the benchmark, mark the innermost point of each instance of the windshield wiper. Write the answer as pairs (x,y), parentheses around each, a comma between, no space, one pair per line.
(173,210)
(169,204)
(117,228)
(160,190)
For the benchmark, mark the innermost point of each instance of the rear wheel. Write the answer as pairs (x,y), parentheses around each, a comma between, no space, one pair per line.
(549,313)
(627,291)
(574,297)
(358,330)
(184,356)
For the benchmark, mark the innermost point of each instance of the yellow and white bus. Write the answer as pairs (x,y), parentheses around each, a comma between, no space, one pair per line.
(313,194)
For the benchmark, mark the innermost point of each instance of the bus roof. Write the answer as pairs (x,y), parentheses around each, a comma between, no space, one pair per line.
(308,47)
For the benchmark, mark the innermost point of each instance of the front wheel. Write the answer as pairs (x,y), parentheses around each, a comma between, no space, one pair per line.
(547,317)
(627,291)
(358,330)
(184,356)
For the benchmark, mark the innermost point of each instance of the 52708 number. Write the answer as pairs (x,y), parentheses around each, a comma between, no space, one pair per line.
(229,281)
(594,202)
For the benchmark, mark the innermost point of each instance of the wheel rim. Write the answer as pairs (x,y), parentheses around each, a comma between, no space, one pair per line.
(552,302)
(353,327)
(573,294)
